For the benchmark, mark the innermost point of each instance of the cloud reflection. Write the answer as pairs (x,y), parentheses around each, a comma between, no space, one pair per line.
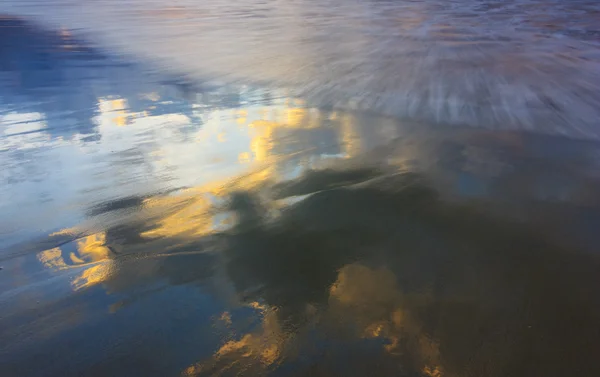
(323,242)
(384,278)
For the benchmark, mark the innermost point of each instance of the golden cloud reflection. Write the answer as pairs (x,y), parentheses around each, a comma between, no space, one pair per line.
(264,345)
(91,254)
(251,149)
(190,217)
(187,215)
(197,145)
(260,138)
(116,110)
(93,275)
(371,300)
(364,303)
(305,278)
(256,351)
(52,258)
(91,249)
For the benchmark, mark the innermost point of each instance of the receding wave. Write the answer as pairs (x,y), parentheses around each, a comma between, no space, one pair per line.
(526,65)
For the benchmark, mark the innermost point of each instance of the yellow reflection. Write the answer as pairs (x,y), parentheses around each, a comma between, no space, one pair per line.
(263,130)
(93,275)
(190,213)
(90,249)
(225,318)
(350,137)
(120,120)
(260,349)
(192,218)
(52,258)
(116,110)
(64,232)
(262,142)
(432,372)
(244,157)
(241,116)
(362,299)
(371,300)
(295,116)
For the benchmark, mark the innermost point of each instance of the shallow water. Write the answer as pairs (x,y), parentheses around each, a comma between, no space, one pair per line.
(159,225)
(519,64)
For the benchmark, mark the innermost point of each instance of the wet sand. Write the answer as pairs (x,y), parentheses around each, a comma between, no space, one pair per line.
(156,225)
